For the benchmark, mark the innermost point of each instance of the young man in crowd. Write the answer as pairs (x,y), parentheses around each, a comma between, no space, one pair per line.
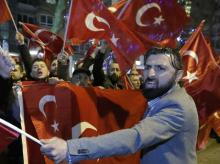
(39,70)
(18,73)
(166,134)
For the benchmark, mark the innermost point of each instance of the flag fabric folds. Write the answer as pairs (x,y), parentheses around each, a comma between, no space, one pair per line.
(158,21)
(91,19)
(46,43)
(201,75)
(4,12)
(7,135)
(68,111)
(50,40)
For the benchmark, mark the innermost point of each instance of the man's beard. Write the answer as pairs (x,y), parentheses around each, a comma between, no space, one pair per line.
(152,93)
(114,78)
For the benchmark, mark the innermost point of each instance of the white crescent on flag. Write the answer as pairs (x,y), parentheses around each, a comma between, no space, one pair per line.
(144,9)
(192,54)
(53,37)
(44,100)
(79,128)
(191,76)
(89,21)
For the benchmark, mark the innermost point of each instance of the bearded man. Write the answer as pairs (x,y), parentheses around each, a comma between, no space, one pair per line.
(166,134)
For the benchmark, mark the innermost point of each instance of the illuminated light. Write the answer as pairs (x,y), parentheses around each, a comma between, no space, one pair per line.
(40,55)
(138,62)
(178,39)
(33,52)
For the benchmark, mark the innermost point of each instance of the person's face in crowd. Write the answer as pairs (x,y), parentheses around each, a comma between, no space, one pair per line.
(39,70)
(135,81)
(159,76)
(53,68)
(114,72)
(17,73)
(134,72)
(81,79)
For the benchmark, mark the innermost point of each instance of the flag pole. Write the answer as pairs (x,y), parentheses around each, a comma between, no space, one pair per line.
(16,28)
(129,80)
(19,97)
(67,24)
(9,125)
(123,9)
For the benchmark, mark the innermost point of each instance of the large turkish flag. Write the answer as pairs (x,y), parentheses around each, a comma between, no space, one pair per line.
(68,111)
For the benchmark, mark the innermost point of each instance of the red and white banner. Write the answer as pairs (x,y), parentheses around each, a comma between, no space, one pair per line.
(91,19)
(68,111)
(158,21)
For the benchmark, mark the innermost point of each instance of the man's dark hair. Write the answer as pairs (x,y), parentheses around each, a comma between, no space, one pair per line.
(38,60)
(176,59)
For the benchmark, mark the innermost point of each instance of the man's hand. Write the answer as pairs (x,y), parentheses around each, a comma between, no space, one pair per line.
(54,80)
(55,149)
(20,38)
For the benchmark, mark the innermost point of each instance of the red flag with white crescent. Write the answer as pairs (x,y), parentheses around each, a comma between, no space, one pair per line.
(201,78)
(42,52)
(91,19)
(44,36)
(161,21)
(63,109)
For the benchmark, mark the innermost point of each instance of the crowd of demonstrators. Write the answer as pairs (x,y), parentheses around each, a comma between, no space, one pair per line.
(171,119)
(35,67)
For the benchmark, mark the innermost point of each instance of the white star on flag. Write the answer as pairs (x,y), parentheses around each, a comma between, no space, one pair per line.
(53,37)
(114,40)
(55,126)
(191,76)
(158,20)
